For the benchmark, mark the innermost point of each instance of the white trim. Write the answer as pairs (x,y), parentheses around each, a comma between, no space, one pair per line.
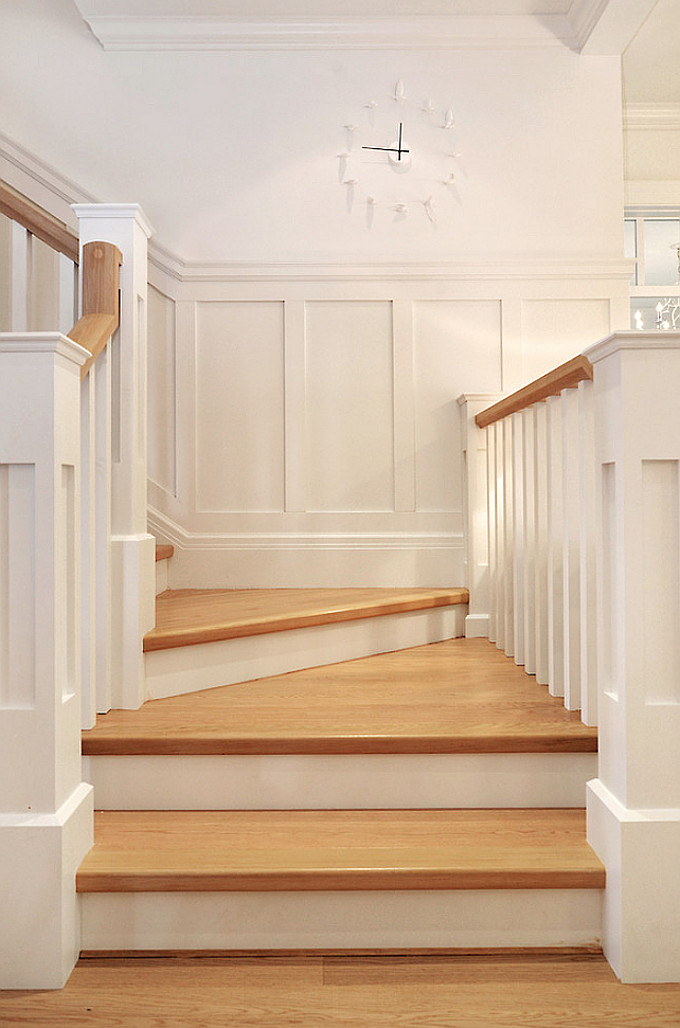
(651,117)
(584,16)
(42,173)
(632,340)
(161,525)
(531,267)
(27,343)
(126,211)
(415,32)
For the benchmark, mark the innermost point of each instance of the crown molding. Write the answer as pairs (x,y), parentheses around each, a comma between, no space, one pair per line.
(650,117)
(421,32)
(534,267)
(606,27)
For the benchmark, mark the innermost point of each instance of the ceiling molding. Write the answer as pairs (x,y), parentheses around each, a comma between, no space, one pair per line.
(422,32)
(651,117)
(607,27)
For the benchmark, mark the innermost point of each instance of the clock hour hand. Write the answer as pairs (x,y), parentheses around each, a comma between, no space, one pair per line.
(398,149)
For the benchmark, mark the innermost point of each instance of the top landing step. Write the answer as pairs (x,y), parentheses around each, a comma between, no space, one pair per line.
(185,617)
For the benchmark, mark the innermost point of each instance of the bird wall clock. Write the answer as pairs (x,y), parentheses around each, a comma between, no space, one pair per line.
(400,157)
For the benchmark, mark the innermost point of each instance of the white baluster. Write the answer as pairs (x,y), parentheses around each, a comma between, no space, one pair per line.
(518,546)
(541,461)
(587,559)
(20,277)
(491,475)
(509,539)
(571,549)
(501,570)
(555,549)
(529,539)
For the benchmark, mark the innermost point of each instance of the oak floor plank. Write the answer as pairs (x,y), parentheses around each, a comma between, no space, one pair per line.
(445,991)
(163,851)
(458,696)
(186,617)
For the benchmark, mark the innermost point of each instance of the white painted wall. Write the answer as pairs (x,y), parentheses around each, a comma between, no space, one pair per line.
(306,352)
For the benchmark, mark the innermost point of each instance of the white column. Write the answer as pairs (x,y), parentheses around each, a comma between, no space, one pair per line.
(509,538)
(518,553)
(132,548)
(475,514)
(634,805)
(499,445)
(45,808)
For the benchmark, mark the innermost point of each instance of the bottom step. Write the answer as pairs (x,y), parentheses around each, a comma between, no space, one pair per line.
(339,879)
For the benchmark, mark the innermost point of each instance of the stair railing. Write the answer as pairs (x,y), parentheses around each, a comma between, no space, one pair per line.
(76,569)
(582,516)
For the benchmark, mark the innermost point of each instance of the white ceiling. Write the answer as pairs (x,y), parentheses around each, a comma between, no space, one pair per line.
(245,9)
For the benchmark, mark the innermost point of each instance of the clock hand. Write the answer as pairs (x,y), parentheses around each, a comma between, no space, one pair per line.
(398,149)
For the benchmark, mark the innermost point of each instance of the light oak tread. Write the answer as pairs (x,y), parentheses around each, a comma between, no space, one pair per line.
(164,551)
(199,851)
(513,990)
(458,696)
(186,617)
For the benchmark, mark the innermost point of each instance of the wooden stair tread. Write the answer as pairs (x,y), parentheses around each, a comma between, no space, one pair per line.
(164,551)
(458,696)
(185,617)
(211,851)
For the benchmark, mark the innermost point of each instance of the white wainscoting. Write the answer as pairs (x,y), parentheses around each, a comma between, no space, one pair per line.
(303,427)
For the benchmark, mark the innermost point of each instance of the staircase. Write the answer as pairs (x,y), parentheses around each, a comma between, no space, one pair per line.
(388,785)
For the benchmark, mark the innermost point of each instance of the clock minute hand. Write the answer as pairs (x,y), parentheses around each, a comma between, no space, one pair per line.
(398,149)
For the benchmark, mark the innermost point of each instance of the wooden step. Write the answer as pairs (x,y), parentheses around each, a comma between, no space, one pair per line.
(237,851)
(458,696)
(186,617)
(208,638)
(452,724)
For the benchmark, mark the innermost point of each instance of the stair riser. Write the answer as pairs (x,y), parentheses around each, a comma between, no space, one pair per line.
(186,669)
(339,781)
(341,920)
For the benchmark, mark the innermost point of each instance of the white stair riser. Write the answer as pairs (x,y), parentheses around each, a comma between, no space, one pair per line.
(186,669)
(340,920)
(340,781)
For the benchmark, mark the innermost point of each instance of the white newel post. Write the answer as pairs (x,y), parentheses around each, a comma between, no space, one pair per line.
(132,608)
(45,807)
(634,804)
(475,513)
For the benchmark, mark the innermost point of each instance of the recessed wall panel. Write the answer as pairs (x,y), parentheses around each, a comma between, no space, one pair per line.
(239,406)
(660,607)
(457,349)
(17,585)
(349,406)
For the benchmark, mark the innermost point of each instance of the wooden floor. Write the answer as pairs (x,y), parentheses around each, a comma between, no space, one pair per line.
(211,851)
(476,991)
(188,616)
(459,696)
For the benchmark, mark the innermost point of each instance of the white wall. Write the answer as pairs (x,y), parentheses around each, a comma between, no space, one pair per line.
(307,350)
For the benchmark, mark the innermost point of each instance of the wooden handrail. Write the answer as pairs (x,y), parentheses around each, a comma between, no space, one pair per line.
(38,222)
(101,302)
(567,376)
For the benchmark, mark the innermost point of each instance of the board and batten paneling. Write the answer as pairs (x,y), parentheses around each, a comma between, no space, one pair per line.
(553,331)
(457,349)
(349,405)
(162,393)
(240,406)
